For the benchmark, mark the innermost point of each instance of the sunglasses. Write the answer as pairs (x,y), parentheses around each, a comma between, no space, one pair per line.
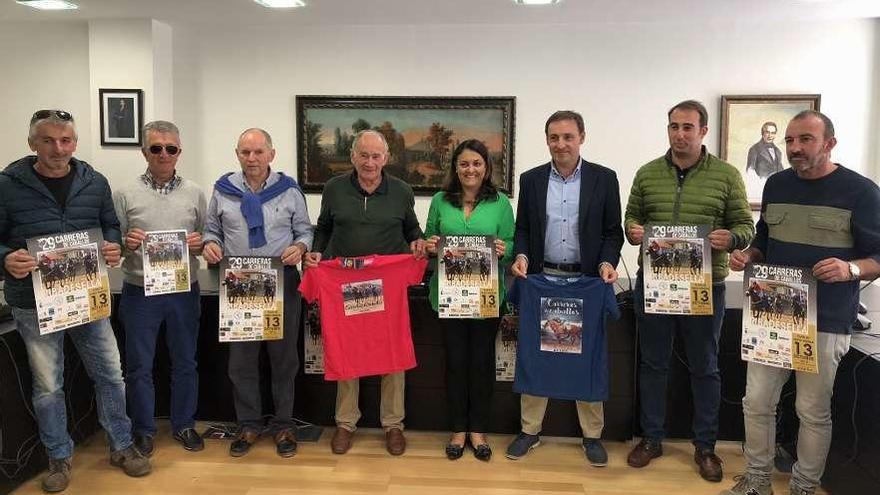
(156,149)
(45,114)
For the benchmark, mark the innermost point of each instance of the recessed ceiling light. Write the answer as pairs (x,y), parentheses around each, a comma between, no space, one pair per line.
(535,2)
(48,4)
(281,4)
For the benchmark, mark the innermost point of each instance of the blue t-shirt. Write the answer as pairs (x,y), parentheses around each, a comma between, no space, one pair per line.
(562,351)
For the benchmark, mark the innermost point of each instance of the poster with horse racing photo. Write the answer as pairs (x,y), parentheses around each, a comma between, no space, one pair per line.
(251,299)
(779,317)
(677,269)
(166,262)
(71,286)
(467,275)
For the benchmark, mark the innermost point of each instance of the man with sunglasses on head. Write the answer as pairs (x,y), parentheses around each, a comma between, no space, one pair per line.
(261,212)
(53,193)
(160,199)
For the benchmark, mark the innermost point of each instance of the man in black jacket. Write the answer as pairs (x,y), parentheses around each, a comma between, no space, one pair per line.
(54,193)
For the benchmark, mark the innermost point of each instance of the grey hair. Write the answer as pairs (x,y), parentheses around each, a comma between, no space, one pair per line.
(829,126)
(51,120)
(261,131)
(160,126)
(361,134)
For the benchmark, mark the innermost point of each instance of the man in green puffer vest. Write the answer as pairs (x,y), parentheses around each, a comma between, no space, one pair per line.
(687,185)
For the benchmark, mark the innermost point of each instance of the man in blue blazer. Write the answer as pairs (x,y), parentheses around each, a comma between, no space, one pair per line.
(567,223)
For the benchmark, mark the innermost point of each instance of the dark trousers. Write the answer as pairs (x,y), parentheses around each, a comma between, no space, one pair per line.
(142,316)
(700,337)
(244,368)
(470,371)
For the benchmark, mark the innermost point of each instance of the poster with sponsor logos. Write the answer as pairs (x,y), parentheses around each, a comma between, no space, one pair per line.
(71,286)
(562,324)
(677,269)
(313,341)
(251,299)
(505,348)
(166,262)
(779,317)
(467,276)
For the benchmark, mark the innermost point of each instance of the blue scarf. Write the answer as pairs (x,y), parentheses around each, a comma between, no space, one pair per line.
(252,204)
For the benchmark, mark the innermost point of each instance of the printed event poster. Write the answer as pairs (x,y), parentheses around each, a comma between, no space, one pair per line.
(251,299)
(677,269)
(467,275)
(71,286)
(505,348)
(779,323)
(166,262)
(562,324)
(313,342)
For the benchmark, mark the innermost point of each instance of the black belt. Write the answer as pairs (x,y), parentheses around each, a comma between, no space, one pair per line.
(564,267)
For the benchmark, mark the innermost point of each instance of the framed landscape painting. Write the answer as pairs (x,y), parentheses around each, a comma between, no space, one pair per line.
(421,133)
(753,135)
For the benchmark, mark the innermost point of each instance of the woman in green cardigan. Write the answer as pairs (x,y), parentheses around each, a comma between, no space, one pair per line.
(470,205)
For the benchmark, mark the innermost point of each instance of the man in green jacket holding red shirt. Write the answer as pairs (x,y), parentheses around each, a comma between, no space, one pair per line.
(687,185)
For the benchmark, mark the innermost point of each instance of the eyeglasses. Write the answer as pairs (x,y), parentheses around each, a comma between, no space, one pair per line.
(156,149)
(45,114)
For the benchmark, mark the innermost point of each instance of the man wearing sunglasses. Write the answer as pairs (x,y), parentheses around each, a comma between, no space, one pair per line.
(261,212)
(53,193)
(160,199)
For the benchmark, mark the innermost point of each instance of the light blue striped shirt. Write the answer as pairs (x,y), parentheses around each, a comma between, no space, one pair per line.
(562,241)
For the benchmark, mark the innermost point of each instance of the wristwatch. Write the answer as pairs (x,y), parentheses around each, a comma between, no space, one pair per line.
(854,271)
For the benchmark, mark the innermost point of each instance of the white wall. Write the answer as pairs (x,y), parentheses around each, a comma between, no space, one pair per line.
(45,65)
(622,78)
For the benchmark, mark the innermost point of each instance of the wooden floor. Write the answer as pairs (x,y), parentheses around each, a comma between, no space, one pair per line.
(557,467)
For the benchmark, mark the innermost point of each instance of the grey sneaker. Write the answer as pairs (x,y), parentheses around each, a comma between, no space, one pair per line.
(521,445)
(796,490)
(131,461)
(595,452)
(58,477)
(747,484)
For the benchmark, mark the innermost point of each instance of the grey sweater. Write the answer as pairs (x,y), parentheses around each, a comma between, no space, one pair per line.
(139,206)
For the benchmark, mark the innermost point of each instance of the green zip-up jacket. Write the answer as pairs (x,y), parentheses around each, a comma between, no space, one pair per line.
(712,193)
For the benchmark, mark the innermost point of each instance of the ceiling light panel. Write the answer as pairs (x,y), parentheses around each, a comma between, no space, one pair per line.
(48,4)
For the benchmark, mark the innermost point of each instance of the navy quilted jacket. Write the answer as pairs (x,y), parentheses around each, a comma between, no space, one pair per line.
(28,209)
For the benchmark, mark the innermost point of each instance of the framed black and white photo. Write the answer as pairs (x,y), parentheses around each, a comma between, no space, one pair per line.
(122,116)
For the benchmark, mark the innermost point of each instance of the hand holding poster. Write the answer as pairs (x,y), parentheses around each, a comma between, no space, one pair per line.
(251,299)
(467,277)
(71,286)
(166,262)
(779,317)
(677,269)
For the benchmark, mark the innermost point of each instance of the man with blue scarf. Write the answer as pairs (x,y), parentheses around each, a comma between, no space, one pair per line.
(260,212)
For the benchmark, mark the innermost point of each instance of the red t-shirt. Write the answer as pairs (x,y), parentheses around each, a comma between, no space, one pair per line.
(364,313)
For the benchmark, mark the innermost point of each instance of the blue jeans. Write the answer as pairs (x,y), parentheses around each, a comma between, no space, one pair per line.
(142,316)
(100,356)
(700,337)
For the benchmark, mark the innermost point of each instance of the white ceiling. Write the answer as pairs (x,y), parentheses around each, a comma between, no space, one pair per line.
(450,12)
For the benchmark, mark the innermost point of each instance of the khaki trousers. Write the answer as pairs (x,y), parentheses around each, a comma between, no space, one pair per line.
(591,415)
(390,402)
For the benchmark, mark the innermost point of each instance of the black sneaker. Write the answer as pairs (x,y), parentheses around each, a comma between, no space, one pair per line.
(190,439)
(144,444)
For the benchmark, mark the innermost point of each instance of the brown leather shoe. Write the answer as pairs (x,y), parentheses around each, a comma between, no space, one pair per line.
(285,443)
(341,441)
(243,443)
(395,441)
(710,464)
(641,455)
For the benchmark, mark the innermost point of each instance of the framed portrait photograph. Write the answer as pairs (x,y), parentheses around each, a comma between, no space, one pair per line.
(753,135)
(421,133)
(122,116)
